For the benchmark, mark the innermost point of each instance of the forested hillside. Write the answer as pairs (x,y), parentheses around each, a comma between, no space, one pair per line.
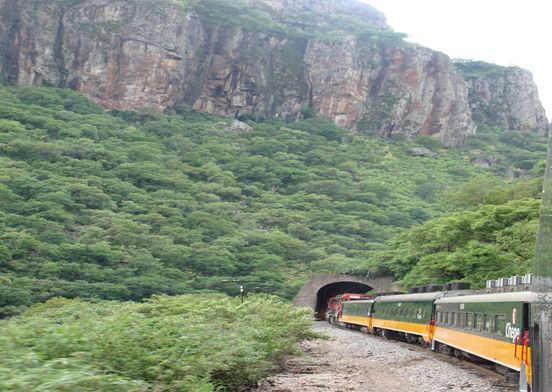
(123,205)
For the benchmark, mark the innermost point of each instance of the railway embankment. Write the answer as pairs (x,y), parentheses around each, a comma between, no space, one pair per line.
(353,361)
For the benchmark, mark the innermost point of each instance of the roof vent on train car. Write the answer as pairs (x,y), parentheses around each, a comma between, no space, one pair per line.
(413,290)
(502,282)
(491,284)
(389,293)
(460,286)
(432,288)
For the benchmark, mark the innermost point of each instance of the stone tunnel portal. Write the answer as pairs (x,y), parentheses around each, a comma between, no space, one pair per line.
(316,292)
(331,290)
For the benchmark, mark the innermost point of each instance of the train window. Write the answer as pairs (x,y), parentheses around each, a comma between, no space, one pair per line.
(478,321)
(469,320)
(439,317)
(461,319)
(488,323)
(447,318)
(499,324)
(453,320)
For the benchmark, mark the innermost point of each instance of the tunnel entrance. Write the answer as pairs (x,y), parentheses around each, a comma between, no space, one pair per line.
(320,287)
(331,290)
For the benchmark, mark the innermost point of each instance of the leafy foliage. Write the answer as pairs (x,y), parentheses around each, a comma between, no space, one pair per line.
(184,343)
(495,239)
(294,24)
(474,69)
(130,204)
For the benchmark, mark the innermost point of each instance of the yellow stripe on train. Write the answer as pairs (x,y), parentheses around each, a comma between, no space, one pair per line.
(491,349)
(403,326)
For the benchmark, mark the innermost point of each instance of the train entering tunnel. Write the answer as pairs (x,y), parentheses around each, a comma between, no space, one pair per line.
(321,287)
(333,289)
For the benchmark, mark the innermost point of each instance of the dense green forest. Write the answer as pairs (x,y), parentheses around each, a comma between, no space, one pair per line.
(123,205)
(494,238)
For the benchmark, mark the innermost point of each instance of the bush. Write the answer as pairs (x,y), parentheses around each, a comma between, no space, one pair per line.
(182,343)
(429,142)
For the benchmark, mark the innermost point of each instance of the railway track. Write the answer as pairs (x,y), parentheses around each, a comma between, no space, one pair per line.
(354,361)
(486,371)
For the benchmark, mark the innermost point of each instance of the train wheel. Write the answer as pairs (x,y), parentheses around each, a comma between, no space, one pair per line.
(411,338)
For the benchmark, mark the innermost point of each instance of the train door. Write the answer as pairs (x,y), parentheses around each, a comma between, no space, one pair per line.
(525,339)
(526,318)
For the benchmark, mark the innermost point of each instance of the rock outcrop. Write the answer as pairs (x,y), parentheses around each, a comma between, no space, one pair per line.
(504,96)
(335,57)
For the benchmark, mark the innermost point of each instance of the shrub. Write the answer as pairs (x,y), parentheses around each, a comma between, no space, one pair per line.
(183,343)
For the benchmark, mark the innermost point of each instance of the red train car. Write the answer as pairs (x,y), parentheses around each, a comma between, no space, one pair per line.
(335,304)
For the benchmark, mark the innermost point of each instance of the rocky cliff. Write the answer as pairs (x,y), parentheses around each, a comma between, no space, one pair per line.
(504,96)
(235,57)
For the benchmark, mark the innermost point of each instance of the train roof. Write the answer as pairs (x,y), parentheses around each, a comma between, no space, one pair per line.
(411,297)
(519,296)
(360,301)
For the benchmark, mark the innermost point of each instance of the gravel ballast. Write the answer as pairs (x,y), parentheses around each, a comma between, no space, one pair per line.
(354,361)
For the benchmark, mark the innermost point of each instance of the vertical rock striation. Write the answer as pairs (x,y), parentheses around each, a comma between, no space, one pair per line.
(504,96)
(389,89)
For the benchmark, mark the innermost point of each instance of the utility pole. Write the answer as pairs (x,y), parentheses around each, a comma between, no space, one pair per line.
(242,283)
(541,310)
(265,289)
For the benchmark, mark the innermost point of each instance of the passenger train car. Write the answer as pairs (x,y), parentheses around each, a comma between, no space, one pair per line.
(492,327)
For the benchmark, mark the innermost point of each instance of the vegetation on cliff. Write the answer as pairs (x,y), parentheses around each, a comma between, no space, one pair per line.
(293,23)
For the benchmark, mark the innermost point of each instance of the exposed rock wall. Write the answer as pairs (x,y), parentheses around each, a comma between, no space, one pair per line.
(508,97)
(410,89)
(127,53)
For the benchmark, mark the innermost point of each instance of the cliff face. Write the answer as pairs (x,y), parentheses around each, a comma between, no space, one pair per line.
(390,89)
(504,96)
(285,57)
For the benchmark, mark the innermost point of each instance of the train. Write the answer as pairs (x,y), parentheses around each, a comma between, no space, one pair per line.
(491,325)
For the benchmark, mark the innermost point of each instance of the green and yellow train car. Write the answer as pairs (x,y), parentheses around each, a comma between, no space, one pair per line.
(408,315)
(494,327)
(357,314)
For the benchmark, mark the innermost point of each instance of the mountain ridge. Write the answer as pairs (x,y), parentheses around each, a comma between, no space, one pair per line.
(275,58)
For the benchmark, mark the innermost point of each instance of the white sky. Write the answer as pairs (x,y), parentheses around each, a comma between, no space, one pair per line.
(507,32)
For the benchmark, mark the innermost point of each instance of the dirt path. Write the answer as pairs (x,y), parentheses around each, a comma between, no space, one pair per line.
(351,361)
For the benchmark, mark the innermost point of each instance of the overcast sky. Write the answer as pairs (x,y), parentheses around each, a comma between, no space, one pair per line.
(507,32)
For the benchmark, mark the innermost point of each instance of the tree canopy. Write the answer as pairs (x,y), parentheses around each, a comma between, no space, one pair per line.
(123,205)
